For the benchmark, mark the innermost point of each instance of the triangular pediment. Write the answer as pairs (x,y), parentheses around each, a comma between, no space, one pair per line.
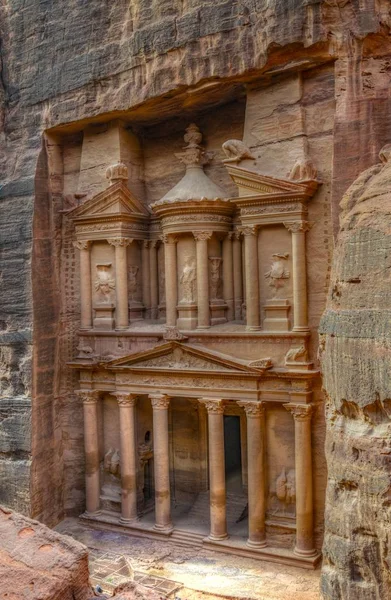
(251,183)
(117,200)
(177,356)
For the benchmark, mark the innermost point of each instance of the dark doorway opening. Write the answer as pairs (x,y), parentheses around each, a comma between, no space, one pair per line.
(233,455)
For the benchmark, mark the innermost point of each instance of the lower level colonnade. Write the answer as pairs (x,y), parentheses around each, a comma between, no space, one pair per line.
(256,458)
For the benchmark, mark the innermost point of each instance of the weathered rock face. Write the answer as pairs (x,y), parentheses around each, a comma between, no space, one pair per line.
(39,564)
(356,362)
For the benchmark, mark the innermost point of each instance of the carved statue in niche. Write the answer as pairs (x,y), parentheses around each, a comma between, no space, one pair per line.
(111,467)
(162,286)
(187,280)
(278,272)
(111,462)
(236,151)
(133,270)
(215,276)
(286,487)
(104,283)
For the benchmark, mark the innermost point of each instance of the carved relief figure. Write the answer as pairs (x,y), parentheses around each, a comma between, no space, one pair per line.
(187,280)
(133,270)
(111,462)
(215,276)
(236,151)
(162,286)
(285,487)
(299,355)
(278,272)
(104,284)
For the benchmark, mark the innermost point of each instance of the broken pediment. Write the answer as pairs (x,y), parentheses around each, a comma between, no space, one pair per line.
(265,187)
(183,357)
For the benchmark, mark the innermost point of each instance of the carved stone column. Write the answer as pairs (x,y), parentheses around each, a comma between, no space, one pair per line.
(85,283)
(256,450)
(202,238)
(127,428)
(303,468)
(228,281)
(154,283)
(218,502)
(121,281)
(300,308)
(91,447)
(145,268)
(237,275)
(170,267)
(161,453)
(252,277)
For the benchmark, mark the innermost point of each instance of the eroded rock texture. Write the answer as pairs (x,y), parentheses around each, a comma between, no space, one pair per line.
(39,564)
(356,361)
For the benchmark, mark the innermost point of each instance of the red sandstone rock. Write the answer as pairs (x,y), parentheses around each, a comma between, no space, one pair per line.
(134,591)
(39,564)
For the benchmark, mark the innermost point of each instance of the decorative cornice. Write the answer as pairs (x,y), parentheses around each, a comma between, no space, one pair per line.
(202,236)
(88,396)
(121,241)
(213,406)
(300,412)
(297,226)
(81,244)
(159,401)
(253,409)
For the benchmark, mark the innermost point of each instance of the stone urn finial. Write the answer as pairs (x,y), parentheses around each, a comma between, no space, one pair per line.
(117,172)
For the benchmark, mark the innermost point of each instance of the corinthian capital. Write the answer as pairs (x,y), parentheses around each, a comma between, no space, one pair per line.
(169,238)
(81,244)
(120,241)
(88,396)
(213,405)
(125,399)
(300,412)
(202,236)
(297,226)
(253,409)
(160,401)
(249,230)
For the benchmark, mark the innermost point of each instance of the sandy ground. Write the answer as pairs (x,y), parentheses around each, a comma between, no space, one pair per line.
(188,573)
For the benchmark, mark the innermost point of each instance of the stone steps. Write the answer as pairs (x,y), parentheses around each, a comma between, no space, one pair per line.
(200,509)
(187,538)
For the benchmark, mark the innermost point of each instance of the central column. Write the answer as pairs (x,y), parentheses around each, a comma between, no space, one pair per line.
(91,446)
(85,283)
(303,468)
(228,282)
(170,267)
(256,450)
(252,277)
(202,238)
(127,428)
(121,281)
(146,287)
(237,275)
(300,308)
(154,278)
(218,502)
(161,457)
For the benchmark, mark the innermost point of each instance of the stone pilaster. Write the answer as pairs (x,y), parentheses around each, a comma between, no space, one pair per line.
(256,450)
(154,282)
(127,428)
(84,246)
(161,452)
(218,502)
(228,279)
(300,308)
(252,277)
(146,274)
(170,264)
(121,281)
(91,447)
(237,274)
(303,469)
(202,238)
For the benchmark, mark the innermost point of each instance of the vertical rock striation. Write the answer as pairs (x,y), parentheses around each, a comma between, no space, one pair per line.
(355,350)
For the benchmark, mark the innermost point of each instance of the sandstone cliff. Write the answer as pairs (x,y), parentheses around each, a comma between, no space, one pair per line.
(356,360)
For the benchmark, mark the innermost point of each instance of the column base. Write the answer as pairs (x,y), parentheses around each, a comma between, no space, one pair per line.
(167,529)
(306,553)
(128,521)
(301,329)
(217,538)
(121,327)
(91,515)
(252,544)
(203,326)
(253,328)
